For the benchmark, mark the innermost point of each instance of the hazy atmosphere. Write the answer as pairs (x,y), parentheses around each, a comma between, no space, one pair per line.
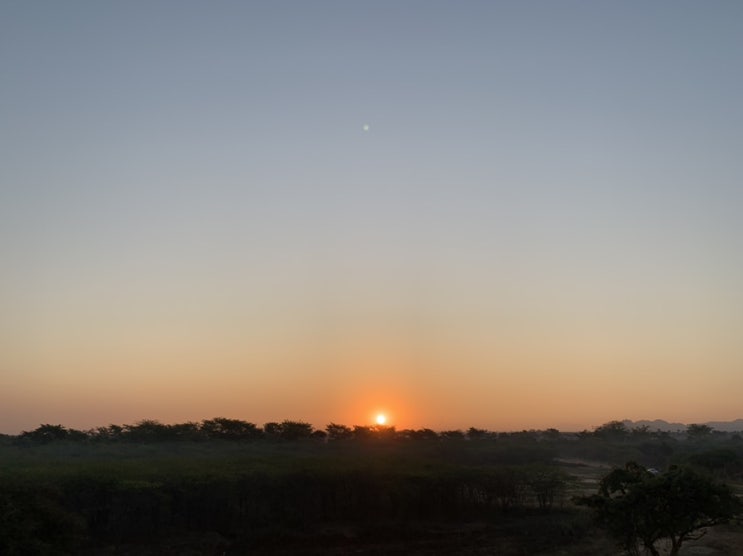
(497,214)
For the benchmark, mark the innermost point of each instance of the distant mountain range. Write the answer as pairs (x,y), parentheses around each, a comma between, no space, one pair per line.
(659,424)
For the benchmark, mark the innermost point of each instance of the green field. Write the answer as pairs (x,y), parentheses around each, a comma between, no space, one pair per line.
(390,494)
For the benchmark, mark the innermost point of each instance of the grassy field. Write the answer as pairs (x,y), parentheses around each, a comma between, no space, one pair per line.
(508,495)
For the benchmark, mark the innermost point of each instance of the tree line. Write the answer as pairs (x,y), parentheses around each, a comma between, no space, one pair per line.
(222,428)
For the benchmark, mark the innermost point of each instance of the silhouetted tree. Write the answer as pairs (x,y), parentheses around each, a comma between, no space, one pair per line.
(147,430)
(383,432)
(46,433)
(477,434)
(230,429)
(77,435)
(272,429)
(698,432)
(663,435)
(640,431)
(338,432)
(522,436)
(639,508)
(362,432)
(109,433)
(613,430)
(186,431)
(423,434)
(294,430)
(452,435)
(319,435)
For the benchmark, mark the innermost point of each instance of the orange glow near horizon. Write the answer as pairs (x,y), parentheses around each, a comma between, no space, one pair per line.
(553,259)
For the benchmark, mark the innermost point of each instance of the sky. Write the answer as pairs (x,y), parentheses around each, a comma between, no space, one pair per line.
(508,215)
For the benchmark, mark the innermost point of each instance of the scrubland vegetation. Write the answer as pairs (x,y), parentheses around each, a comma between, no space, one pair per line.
(226,486)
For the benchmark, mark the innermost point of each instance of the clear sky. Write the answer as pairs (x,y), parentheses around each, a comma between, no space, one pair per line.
(540,226)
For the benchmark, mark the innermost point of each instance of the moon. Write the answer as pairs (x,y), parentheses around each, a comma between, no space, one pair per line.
(365,127)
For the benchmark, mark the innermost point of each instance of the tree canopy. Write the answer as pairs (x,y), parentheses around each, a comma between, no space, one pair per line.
(640,508)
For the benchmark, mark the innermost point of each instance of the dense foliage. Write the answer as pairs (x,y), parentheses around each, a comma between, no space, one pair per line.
(640,508)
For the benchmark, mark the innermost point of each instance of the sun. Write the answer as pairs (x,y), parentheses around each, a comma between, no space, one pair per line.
(381,419)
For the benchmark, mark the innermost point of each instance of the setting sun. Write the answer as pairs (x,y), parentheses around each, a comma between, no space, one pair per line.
(381,419)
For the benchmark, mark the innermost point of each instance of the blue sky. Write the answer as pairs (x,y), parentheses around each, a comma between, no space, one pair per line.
(548,193)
